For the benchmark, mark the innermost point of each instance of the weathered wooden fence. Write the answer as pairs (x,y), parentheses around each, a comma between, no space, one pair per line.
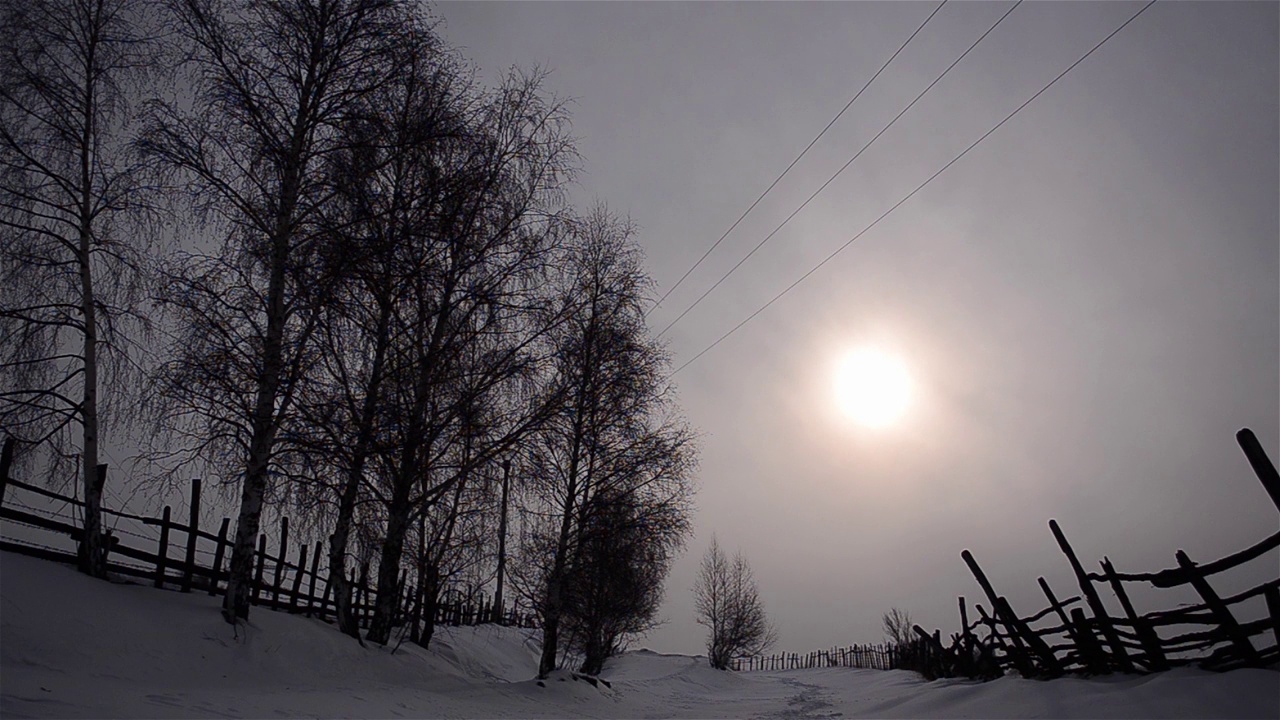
(178,560)
(1079,635)
(870,657)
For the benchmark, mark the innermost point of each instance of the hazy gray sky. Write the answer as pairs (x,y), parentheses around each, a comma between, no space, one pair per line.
(1089,302)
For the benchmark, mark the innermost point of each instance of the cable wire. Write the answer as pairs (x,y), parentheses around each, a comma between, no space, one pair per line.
(920,187)
(837,174)
(793,162)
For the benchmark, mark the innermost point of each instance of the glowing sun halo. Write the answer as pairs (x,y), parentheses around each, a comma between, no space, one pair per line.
(872,387)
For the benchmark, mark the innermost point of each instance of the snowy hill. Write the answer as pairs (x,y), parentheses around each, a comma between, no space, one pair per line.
(75,647)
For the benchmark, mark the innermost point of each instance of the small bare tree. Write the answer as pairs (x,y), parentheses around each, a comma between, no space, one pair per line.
(897,627)
(727,601)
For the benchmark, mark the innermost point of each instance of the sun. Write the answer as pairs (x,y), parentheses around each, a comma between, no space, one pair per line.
(872,387)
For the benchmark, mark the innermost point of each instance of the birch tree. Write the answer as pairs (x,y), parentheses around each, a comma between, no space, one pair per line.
(727,601)
(273,82)
(70,244)
(614,437)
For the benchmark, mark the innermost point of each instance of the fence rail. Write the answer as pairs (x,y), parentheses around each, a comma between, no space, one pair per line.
(1097,642)
(176,562)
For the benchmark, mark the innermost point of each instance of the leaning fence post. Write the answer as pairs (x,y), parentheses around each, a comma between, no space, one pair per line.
(217,556)
(1145,632)
(1273,608)
(315,573)
(193,529)
(6,462)
(1062,615)
(1095,602)
(1002,611)
(162,551)
(1262,466)
(297,577)
(1094,657)
(1228,621)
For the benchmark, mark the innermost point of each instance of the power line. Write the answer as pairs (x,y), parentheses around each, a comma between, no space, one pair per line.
(837,174)
(920,187)
(793,162)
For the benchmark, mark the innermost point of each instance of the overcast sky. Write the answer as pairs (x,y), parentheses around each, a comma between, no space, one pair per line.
(1088,303)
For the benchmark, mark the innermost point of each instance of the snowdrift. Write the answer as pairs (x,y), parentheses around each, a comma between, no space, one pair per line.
(75,647)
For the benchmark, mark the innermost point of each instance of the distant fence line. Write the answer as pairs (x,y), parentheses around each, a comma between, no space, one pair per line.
(868,657)
(1063,639)
(299,587)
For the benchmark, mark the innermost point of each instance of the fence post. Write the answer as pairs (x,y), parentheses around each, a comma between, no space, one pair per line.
(1048,661)
(193,528)
(1220,611)
(282,555)
(1091,595)
(1273,608)
(6,462)
(1262,466)
(1062,615)
(968,636)
(1145,632)
(1019,655)
(162,551)
(257,575)
(217,556)
(315,573)
(364,578)
(1095,658)
(297,577)
(324,601)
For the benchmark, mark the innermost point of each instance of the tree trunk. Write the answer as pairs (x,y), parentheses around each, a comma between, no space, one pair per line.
(554,602)
(92,558)
(235,603)
(392,550)
(502,542)
(430,604)
(351,489)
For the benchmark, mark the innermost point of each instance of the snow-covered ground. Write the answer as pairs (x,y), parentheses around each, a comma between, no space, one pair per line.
(74,647)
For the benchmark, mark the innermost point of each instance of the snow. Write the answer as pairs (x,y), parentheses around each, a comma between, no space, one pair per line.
(75,647)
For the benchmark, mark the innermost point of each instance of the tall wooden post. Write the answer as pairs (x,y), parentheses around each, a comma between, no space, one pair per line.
(502,540)
(282,560)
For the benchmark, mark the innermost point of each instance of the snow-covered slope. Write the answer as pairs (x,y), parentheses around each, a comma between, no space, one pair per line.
(74,647)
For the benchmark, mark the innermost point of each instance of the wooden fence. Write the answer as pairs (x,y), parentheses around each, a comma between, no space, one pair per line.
(869,657)
(178,560)
(1079,635)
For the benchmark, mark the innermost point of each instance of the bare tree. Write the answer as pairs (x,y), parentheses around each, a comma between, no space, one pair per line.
(615,584)
(70,261)
(459,385)
(897,627)
(614,439)
(274,81)
(727,602)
